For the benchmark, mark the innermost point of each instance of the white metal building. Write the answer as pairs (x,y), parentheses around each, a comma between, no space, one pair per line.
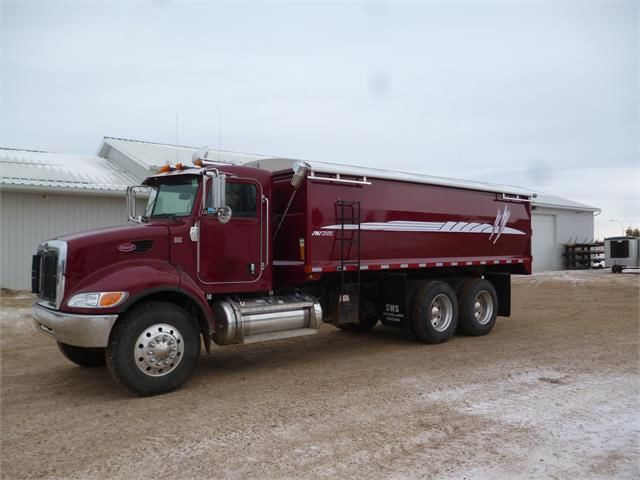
(556,221)
(43,195)
(47,194)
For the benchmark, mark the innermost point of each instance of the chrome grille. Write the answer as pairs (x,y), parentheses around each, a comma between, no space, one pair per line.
(48,276)
(48,272)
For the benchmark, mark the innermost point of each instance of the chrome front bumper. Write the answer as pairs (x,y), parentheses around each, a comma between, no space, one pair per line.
(79,330)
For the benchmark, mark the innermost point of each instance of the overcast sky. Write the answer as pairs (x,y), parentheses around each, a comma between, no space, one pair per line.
(539,94)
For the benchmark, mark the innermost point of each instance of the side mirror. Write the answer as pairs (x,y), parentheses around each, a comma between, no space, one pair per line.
(217,198)
(218,192)
(132,194)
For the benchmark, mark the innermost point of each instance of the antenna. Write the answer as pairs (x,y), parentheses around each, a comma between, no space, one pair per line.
(177,142)
(218,132)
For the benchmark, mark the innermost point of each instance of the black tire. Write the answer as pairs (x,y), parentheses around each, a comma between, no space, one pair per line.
(131,348)
(368,319)
(478,307)
(427,324)
(85,357)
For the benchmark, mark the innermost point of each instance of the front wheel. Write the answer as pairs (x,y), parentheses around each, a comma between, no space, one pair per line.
(85,357)
(153,348)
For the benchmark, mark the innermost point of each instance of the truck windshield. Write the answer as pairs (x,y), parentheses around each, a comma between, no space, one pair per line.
(174,198)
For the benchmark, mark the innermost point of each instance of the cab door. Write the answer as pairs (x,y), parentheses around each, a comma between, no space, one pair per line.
(231,253)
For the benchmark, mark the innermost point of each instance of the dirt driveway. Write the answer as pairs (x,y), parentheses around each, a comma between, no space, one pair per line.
(553,392)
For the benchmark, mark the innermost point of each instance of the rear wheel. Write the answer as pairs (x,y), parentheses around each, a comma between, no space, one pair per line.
(478,307)
(434,312)
(85,357)
(153,348)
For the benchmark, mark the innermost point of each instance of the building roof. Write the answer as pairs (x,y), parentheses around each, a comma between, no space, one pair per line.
(35,170)
(152,155)
(275,164)
(551,201)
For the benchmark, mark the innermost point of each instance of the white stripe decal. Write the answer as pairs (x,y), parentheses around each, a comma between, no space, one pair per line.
(426,227)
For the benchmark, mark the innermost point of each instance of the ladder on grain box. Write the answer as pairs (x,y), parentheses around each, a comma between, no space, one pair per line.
(349,245)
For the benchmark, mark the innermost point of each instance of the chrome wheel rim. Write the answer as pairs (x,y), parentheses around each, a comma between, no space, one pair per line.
(483,307)
(440,312)
(159,350)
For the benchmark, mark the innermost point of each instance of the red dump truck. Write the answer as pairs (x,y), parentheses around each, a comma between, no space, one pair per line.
(269,250)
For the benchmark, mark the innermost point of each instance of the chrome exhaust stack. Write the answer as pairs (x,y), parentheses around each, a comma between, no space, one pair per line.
(265,318)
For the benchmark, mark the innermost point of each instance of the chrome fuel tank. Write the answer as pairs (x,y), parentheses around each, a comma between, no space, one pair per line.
(265,318)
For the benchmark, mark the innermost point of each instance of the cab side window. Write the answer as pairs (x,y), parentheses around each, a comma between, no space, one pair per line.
(241,197)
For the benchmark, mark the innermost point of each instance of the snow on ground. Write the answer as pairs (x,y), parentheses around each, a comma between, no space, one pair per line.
(15,320)
(554,418)
(580,276)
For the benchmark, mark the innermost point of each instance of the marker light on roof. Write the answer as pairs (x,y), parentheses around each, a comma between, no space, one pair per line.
(165,168)
(179,166)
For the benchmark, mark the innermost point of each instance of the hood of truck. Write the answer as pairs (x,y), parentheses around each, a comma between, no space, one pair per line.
(92,251)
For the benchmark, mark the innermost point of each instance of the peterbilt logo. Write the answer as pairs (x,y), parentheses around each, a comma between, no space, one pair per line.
(127,247)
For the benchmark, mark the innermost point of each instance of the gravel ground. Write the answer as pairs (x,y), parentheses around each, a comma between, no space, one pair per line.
(553,392)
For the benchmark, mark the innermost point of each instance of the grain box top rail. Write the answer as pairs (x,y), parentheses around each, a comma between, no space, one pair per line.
(366,174)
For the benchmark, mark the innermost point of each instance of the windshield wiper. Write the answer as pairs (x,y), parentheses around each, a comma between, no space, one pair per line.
(172,216)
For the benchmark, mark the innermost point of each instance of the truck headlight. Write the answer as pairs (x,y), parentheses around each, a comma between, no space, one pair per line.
(97,299)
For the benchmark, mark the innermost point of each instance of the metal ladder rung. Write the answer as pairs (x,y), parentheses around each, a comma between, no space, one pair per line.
(348,213)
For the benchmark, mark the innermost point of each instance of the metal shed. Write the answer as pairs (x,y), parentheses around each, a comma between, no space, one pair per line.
(43,195)
(556,221)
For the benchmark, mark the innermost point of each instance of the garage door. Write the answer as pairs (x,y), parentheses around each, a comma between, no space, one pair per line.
(545,250)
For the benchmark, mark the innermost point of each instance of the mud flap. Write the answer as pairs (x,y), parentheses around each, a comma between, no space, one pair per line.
(348,304)
(502,283)
(393,301)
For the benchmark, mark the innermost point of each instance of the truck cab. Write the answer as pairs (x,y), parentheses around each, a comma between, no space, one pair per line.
(139,297)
